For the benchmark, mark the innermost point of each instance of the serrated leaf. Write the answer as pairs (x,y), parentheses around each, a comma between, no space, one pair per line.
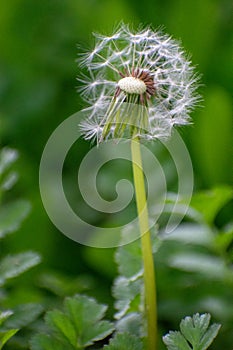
(97,332)
(79,326)
(209,336)
(84,310)
(124,341)
(201,322)
(13,265)
(47,342)
(86,314)
(125,291)
(175,341)
(61,324)
(131,323)
(11,216)
(6,335)
(24,314)
(195,332)
(194,327)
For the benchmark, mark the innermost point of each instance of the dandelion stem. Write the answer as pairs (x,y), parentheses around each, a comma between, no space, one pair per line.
(149,272)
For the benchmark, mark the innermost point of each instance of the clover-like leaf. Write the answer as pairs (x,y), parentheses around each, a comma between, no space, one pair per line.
(124,341)
(194,327)
(78,326)
(62,325)
(86,314)
(195,332)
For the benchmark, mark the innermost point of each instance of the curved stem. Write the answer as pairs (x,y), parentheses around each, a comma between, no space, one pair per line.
(148,262)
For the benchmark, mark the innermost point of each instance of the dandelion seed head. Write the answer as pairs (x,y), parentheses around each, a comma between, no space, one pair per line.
(147,69)
(131,85)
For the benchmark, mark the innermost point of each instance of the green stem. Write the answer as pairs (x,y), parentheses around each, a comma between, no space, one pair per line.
(149,272)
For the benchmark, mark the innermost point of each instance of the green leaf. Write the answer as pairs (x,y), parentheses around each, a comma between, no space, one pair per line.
(85,313)
(194,331)
(209,336)
(6,335)
(194,327)
(61,323)
(14,265)
(78,326)
(176,341)
(11,216)
(48,342)
(23,315)
(128,287)
(97,332)
(131,323)
(127,291)
(124,341)
(210,202)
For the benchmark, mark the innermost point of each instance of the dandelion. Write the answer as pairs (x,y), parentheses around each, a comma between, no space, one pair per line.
(142,79)
(138,85)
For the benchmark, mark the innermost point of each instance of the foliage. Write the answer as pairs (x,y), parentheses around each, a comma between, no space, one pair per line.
(124,341)
(210,264)
(80,324)
(194,331)
(77,327)
(13,265)
(5,335)
(38,70)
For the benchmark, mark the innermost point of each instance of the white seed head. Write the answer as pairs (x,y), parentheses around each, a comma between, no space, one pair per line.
(146,68)
(132,85)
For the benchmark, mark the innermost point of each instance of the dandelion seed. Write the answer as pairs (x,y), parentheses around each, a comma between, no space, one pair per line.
(139,79)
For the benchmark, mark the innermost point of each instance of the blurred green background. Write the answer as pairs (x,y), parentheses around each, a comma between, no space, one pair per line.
(39,44)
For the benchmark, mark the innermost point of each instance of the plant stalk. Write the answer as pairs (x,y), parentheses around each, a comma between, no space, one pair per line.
(148,262)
